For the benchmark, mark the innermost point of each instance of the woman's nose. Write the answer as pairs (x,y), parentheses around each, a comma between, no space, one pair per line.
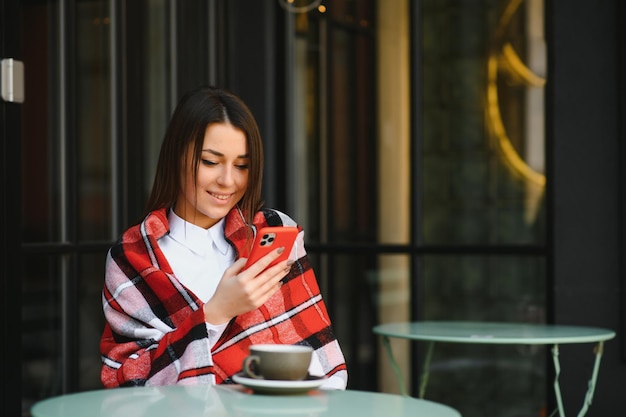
(226,176)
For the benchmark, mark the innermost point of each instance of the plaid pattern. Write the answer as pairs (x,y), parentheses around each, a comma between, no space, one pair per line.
(155,332)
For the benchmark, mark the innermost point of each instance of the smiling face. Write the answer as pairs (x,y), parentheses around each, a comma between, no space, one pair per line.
(221,179)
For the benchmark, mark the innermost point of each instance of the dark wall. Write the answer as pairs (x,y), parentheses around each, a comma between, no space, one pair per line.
(10,157)
(584,142)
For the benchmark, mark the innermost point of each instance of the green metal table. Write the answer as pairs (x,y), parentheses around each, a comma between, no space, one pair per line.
(234,400)
(497,333)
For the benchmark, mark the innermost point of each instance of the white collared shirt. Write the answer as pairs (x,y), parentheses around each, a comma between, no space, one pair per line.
(198,258)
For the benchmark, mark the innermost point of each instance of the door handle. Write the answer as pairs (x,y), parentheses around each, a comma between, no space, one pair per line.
(12,80)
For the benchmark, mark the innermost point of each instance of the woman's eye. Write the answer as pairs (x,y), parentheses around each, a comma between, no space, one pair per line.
(242,166)
(208,163)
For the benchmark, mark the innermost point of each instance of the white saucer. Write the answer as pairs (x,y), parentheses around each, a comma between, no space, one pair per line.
(267,386)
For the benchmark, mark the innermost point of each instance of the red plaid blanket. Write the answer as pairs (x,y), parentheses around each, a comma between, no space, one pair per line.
(155,332)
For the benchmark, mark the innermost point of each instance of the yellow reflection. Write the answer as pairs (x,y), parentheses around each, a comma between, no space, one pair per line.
(518,69)
(511,156)
(515,66)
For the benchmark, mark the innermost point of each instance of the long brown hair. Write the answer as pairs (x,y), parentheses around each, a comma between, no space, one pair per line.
(195,111)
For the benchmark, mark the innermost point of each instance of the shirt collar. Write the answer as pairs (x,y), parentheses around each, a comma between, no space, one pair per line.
(196,238)
(219,240)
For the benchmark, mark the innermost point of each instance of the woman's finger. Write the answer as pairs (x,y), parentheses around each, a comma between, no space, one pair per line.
(263,263)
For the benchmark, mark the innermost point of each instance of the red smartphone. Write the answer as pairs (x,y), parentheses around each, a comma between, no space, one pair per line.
(269,238)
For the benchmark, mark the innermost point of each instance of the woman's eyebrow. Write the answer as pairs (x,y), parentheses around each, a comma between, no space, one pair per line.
(216,153)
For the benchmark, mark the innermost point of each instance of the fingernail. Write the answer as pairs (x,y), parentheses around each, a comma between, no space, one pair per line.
(281,250)
(289,263)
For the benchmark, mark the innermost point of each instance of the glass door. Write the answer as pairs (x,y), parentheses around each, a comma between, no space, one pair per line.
(101,80)
(67,188)
(89,123)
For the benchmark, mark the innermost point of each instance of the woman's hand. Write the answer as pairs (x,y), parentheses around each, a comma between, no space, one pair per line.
(239,292)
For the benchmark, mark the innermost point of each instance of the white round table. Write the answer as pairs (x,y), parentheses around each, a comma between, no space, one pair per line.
(233,400)
(498,333)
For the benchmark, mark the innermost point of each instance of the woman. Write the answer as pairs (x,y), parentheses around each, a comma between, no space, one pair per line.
(179,308)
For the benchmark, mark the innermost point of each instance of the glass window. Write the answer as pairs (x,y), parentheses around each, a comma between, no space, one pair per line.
(82,165)
(42,325)
(41,168)
(93,120)
(481,184)
(482,161)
